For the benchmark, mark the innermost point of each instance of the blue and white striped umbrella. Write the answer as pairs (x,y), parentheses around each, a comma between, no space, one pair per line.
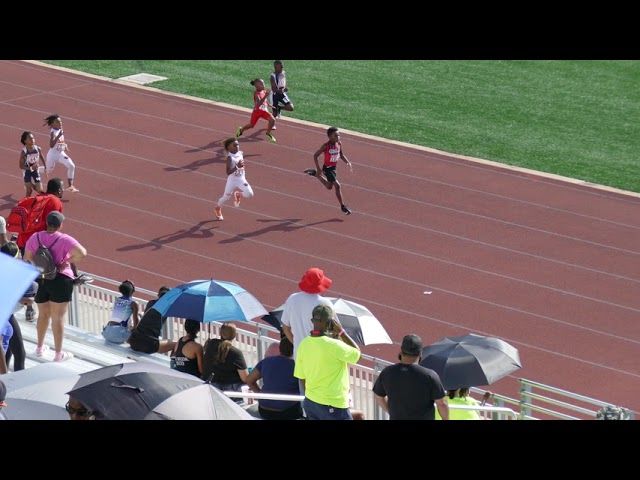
(210,301)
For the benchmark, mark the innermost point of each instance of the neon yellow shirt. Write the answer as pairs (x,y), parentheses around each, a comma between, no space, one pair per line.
(461,414)
(322,363)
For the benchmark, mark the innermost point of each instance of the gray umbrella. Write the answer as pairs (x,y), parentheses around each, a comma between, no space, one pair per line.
(204,402)
(470,360)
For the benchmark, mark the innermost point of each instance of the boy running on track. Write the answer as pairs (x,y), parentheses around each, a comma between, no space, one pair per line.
(236,182)
(332,151)
(260,110)
(30,158)
(58,148)
(279,88)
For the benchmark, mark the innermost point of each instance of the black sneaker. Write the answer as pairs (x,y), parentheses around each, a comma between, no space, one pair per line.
(311,171)
(30,314)
(345,210)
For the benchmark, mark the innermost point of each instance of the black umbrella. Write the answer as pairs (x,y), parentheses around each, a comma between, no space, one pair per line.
(470,360)
(130,391)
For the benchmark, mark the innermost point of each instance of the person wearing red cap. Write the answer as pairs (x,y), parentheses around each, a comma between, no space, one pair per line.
(296,313)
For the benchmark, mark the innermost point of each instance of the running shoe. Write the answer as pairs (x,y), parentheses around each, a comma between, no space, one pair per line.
(218,211)
(238,132)
(274,128)
(311,171)
(270,137)
(237,199)
(72,189)
(345,210)
(30,314)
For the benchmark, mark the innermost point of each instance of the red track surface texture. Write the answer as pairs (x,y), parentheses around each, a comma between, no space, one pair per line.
(550,266)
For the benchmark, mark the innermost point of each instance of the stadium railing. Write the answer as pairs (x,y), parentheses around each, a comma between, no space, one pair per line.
(91,307)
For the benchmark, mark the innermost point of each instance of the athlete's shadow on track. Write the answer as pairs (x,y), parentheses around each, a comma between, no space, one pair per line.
(197,231)
(8,202)
(193,166)
(282,225)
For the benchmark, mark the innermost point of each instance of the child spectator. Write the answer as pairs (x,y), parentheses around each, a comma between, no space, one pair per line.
(125,308)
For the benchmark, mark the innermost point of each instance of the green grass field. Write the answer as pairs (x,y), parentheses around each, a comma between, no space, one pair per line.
(579,119)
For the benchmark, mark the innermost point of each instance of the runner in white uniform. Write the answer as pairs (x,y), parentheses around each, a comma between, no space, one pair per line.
(236,182)
(58,150)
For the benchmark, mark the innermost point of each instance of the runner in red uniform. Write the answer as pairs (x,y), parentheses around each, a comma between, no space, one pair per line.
(332,151)
(260,109)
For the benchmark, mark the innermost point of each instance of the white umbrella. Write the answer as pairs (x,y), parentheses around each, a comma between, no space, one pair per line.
(356,319)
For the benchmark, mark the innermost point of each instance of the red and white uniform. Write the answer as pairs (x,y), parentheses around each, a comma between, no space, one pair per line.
(257,96)
(332,154)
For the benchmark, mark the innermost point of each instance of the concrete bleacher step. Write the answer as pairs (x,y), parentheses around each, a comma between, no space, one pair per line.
(90,350)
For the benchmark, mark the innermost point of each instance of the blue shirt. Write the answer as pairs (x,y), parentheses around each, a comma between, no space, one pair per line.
(7,333)
(277,377)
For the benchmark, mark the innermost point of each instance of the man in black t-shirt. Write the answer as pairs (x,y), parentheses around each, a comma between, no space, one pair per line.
(407,390)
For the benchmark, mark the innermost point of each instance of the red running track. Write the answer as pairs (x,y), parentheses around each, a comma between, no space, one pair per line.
(549,265)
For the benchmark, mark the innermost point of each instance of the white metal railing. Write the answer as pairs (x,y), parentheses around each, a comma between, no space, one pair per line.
(92,304)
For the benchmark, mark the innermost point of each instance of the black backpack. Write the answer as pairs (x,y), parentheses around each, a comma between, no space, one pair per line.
(43,260)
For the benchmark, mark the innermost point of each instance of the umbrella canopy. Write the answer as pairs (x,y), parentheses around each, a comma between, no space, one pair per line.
(129,391)
(470,360)
(356,319)
(210,301)
(15,277)
(205,402)
(39,393)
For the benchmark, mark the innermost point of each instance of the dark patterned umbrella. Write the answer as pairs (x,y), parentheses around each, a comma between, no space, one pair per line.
(146,391)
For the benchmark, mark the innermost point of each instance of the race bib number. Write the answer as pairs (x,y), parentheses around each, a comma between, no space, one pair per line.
(239,172)
(61,147)
(32,159)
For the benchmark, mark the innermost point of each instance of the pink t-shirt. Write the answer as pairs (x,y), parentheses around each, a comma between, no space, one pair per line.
(60,250)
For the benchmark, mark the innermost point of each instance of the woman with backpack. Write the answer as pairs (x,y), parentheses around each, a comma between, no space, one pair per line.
(55,290)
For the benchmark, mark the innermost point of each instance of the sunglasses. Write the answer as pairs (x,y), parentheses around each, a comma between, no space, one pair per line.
(82,412)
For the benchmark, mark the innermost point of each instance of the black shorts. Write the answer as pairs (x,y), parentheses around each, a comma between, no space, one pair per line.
(143,343)
(58,290)
(32,177)
(330,173)
(280,98)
